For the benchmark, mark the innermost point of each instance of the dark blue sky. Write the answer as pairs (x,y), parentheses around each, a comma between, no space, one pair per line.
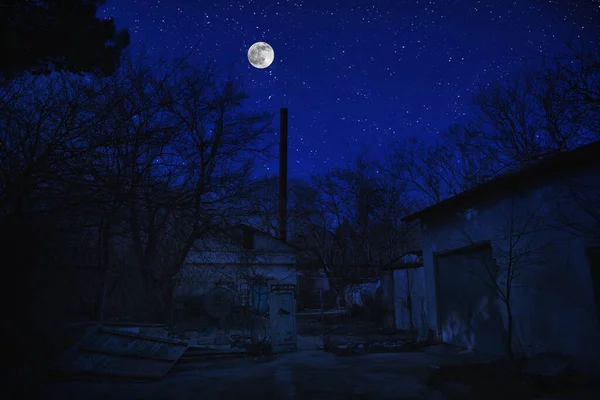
(361,72)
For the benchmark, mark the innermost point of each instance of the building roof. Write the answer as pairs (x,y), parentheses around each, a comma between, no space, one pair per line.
(560,164)
(411,259)
(247,228)
(239,234)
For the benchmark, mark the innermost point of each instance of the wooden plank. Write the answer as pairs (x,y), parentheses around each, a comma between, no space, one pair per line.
(105,352)
(126,354)
(118,323)
(132,344)
(137,335)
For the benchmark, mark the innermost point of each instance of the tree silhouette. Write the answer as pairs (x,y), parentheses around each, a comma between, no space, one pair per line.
(58,35)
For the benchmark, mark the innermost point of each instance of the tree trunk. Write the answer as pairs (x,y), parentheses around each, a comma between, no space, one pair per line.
(159,307)
(153,289)
(509,338)
(104,265)
(411,323)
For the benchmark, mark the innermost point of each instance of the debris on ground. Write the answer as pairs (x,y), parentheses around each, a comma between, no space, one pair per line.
(317,312)
(106,352)
(146,329)
(196,353)
(253,348)
(123,352)
(364,344)
(238,345)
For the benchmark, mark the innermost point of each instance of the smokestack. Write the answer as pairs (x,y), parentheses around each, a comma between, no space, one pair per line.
(283,164)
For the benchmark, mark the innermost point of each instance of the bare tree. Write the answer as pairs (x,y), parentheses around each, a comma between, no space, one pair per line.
(576,205)
(218,145)
(458,161)
(45,124)
(471,164)
(262,207)
(506,116)
(541,111)
(44,138)
(572,101)
(152,156)
(577,73)
(531,115)
(320,237)
(518,246)
(418,164)
(109,180)
(363,207)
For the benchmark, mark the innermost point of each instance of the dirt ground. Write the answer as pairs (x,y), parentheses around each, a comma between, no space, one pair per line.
(308,374)
(341,324)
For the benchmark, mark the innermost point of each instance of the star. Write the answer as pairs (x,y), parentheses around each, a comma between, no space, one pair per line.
(340,62)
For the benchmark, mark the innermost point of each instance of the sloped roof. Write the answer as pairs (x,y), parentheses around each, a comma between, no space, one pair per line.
(547,169)
(411,259)
(236,233)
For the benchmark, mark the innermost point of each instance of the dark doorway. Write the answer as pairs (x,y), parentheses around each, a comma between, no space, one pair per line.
(594,259)
(467,312)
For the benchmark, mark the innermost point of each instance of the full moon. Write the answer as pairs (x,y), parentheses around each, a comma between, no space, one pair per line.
(261,55)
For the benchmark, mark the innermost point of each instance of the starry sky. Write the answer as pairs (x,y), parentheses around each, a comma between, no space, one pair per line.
(359,74)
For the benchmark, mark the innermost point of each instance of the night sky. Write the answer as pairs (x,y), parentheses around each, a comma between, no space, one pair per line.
(357,73)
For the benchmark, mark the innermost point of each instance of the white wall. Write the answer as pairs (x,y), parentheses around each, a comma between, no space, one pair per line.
(552,297)
(222,250)
(219,260)
(225,256)
(412,279)
(199,279)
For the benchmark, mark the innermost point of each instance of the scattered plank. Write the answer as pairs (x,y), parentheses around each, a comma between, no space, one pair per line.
(106,352)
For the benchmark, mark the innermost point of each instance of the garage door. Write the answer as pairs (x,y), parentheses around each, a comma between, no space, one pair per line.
(467,308)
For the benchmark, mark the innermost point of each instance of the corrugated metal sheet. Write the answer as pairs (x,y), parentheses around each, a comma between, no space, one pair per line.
(107,352)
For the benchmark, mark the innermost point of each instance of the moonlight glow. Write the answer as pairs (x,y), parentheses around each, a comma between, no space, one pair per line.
(261,55)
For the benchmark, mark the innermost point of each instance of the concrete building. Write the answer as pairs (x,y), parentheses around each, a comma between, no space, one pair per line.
(529,239)
(241,258)
(240,269)
(405,295)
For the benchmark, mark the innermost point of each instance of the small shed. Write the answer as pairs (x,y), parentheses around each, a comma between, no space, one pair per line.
(403,283)
(234,272)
